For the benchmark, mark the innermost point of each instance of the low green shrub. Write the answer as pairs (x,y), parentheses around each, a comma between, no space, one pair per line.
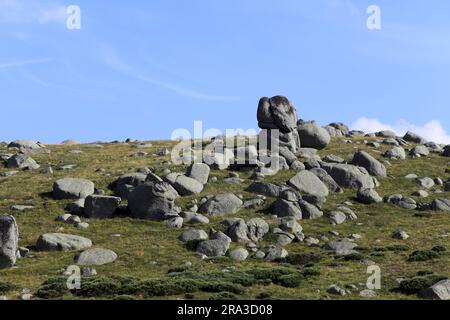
(223,296)
(6,287)
(53,288)
(416,284)
(423,255)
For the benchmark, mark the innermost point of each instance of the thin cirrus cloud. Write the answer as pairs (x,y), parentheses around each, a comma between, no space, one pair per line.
(22,63)
(432,130)
(110,57)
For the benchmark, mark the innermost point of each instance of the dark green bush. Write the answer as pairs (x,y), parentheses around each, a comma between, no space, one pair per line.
(290,280)
(439,249)
(100,287)
(397,247)
(6,287)
(124,297)
(272,274)
(416,284)
(423,255)
(53,288)
(218,286)
(264,295)
(310,272)
(355,256)
(223,296)
(301,259)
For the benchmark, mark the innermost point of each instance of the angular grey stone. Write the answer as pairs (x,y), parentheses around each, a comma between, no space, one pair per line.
(257,229)
(340,246)
(400,235)
(127,182)
(313,136)
(326,179)
(9,241)
(184,185)
(438,291)
(22,161)
(397,153)
(386,134)
(100,207)
(441,205)
(309,211)
(349,176)
(24,144)
(174,223)
(421,194)
(284,208)
(239,254)
(70,188)
(368,196)
(152,200)
(264,188)
(216,247)
(308,153)
(308,183)
(194,218)
(290,225)
(426,182)
(221,204)
(61,242)
(333,159)
(413,137)
(419,151)
(95,257)
(193,234)
(199,172)
(372,165)
(238,231)
(76,207)
(336,217)
(275,253)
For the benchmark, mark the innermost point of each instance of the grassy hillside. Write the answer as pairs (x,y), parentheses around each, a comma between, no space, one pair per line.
(148,250)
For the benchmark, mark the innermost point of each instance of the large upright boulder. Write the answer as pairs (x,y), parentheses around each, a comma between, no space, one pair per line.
(126,183)
(70,188)
(278,113)
(199,172)
(9,241)
(152,200)
(372,165)
(312,135)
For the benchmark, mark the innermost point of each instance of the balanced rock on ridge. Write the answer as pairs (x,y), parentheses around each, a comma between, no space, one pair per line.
(278,113)
(9,241)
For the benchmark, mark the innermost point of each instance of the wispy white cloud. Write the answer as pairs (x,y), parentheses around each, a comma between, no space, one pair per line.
(31,11)
(110,57)
(22,63)
(432,130)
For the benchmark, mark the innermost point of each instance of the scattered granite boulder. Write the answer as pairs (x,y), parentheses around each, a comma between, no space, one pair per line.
(401,201)
(266,189)
(99,207)
(184,185)
(24,144)
(426,182)
(396,153)
(368,196)
(70,188)
(372,165)
(238,255)
(413,137)
(22,161)
(349,176)
(152,200)
(308,184)
(275,253)
(62,242)
(9,241)
(257,229)
(192,235)
(199,172)
(217,245)
(312,135)
(440,205)
(400,235)
(95,257)
(221,204)
(438,291)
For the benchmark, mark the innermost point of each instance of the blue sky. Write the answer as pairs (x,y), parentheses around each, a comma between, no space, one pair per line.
(144,68)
